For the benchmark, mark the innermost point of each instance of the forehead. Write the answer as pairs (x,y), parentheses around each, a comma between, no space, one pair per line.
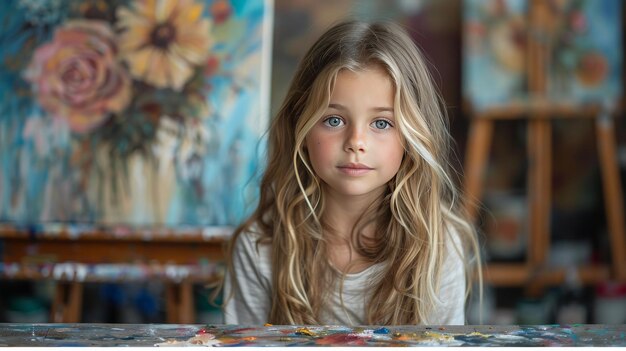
(371,84)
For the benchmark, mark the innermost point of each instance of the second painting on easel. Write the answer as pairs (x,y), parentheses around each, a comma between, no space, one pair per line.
(584,60)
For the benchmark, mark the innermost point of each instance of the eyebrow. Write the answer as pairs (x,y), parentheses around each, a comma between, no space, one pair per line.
(343,108)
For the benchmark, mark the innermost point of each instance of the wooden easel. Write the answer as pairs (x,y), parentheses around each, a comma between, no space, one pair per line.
(539,112)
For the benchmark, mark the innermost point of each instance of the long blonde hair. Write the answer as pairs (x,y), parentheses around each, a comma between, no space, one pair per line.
(414,220)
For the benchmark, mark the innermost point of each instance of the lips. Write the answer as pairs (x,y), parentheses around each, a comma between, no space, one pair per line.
(355,166)
(354,169)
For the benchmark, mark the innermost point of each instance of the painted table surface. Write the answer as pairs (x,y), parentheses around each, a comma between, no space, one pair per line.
(230,335)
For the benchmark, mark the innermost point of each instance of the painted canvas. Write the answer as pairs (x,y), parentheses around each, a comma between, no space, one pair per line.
(584,62)
(134,112)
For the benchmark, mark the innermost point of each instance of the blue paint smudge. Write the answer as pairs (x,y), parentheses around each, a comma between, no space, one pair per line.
(382,330)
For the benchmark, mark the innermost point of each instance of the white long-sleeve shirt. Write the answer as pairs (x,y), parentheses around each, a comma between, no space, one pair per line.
(250,304)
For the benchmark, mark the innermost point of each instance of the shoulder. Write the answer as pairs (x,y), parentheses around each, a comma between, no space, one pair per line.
(247,239)
(454,246)
(453,268)
(449,309)
(248,248)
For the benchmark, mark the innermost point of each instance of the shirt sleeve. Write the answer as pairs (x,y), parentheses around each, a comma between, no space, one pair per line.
(250,301)
(451,311)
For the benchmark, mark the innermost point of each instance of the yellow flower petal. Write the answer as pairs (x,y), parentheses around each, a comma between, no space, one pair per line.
(180,72)
(138,62)
(194,42)
(146,8)
(188,54)
(163,10)
(127,19)
(135,37)
(187,14)
(159,69)
(180,52)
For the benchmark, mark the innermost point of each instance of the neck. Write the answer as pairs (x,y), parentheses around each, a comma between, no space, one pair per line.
(341,213)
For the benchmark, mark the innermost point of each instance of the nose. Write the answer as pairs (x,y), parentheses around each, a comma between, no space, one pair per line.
(355,140)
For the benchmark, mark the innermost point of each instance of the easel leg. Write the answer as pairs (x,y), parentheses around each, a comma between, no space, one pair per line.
(540,197)
(613,201)
(540,189)
(477,155)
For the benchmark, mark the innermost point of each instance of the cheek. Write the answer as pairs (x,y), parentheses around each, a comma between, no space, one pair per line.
(394,155)
(397,160)
(319,149)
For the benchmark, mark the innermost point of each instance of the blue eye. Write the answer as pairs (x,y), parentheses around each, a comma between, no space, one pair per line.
(382,124)
(333,121)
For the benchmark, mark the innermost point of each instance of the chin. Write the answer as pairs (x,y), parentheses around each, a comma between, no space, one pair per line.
(356,192)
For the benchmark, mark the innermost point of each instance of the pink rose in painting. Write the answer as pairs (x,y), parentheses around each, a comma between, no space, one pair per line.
(77,76)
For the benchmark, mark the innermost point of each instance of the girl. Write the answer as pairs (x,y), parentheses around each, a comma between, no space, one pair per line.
(358,221)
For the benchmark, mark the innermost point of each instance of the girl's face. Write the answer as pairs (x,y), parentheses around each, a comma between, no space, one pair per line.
(355,148)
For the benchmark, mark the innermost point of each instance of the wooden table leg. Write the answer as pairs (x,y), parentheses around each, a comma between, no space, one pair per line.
(187,314)
(67,302)
(179,303)
(170,303)
(613,200)
(478,147)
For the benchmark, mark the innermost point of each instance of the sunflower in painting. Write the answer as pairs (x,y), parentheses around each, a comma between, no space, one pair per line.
(163,41)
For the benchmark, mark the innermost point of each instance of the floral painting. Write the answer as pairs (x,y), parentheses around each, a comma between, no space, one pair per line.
(584,62)
(140,112)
